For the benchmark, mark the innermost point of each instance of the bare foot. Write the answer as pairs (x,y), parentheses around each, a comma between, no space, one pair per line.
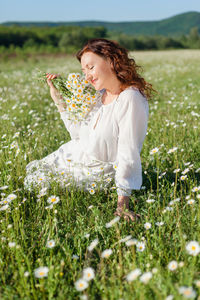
(127,214)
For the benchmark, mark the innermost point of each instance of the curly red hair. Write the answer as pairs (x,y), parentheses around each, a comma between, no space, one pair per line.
(124,67)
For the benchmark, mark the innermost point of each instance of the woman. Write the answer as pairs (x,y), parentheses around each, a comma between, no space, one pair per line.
(109,144)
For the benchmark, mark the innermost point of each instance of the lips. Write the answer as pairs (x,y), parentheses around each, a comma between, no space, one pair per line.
(94,80)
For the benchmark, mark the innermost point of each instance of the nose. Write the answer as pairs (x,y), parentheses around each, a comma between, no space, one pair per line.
(88,76)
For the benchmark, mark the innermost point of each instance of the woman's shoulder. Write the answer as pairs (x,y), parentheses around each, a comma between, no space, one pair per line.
(131,94)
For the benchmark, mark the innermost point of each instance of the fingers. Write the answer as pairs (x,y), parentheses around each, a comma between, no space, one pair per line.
(50,76)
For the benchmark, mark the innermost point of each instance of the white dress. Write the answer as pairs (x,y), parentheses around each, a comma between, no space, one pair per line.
(104,148)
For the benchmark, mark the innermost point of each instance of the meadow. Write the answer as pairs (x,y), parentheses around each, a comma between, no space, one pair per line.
(86,252)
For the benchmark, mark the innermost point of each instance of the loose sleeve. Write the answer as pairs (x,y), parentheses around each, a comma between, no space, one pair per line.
(72,127)
(132,118)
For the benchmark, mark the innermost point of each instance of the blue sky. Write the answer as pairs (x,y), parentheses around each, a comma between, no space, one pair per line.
(102,10)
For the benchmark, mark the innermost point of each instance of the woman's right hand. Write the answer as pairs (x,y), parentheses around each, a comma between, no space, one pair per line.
(53,91)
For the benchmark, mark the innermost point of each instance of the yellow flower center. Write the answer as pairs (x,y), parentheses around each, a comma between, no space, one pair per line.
(53,199)
(41,273)
(193,248)
(81,284)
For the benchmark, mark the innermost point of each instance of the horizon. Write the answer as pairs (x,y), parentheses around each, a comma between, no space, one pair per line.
(106,11)
(105,21)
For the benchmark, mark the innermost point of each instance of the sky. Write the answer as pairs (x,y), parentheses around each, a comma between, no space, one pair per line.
(91,10)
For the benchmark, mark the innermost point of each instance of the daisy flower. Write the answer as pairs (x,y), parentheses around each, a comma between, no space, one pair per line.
(191,201)
(81,285)
(193,248)
(41,272)
(91,191)
(173,265)
(4,207)
(146,277)
(187,292)
(106,253)
(88,274)
(147,225)
(133,275)
(153,151)
(11,197)
(50,244)
(53,199)
(196,189)
(140,246)
(93,245)
(112,222)
(11,244)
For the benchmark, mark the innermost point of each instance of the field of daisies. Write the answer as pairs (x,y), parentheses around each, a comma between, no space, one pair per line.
(67,243)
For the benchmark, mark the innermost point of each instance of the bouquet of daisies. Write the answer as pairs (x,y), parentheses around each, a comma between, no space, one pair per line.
(76,92)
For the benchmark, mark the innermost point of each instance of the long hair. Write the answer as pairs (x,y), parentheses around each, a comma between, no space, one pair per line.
(124,67)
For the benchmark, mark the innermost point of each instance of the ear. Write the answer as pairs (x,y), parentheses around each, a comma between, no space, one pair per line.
(111,64)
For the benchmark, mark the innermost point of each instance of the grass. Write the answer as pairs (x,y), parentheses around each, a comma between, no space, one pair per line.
(29,117)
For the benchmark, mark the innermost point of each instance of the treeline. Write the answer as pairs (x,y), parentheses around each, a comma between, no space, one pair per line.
(69,39)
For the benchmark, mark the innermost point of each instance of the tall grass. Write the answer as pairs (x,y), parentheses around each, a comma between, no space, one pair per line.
(31,128)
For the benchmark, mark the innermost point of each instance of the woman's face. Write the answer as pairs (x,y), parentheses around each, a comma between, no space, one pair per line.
(98,71)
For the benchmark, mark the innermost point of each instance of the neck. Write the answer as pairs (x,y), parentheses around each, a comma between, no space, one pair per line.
(114,88)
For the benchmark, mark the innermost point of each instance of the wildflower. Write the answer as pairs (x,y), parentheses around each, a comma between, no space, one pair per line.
(11,197)
(4,207)
(140,246)
(41,272)
(93,184)
(106,253)
(197,283)
(91,191)
(188,292)
(191,201)
(193,248)
(128,237)
(49,206)
(74,256)
(81,284)
(131,242)
(4,187)
(112,222)
(147,225)
(170,297)
(146,277)
(93,245)
(181,264)
(53,199)
(150,200)
(11,244)
(183,177)
(133,275)
(88,274)
(173,265)
(153,151)
(90,207)
(154,270)
(196,189)
(50,244)
(176,171)
(26,274)
(185,171)
(172,150)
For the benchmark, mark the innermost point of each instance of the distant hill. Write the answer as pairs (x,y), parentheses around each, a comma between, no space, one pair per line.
(173,26)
